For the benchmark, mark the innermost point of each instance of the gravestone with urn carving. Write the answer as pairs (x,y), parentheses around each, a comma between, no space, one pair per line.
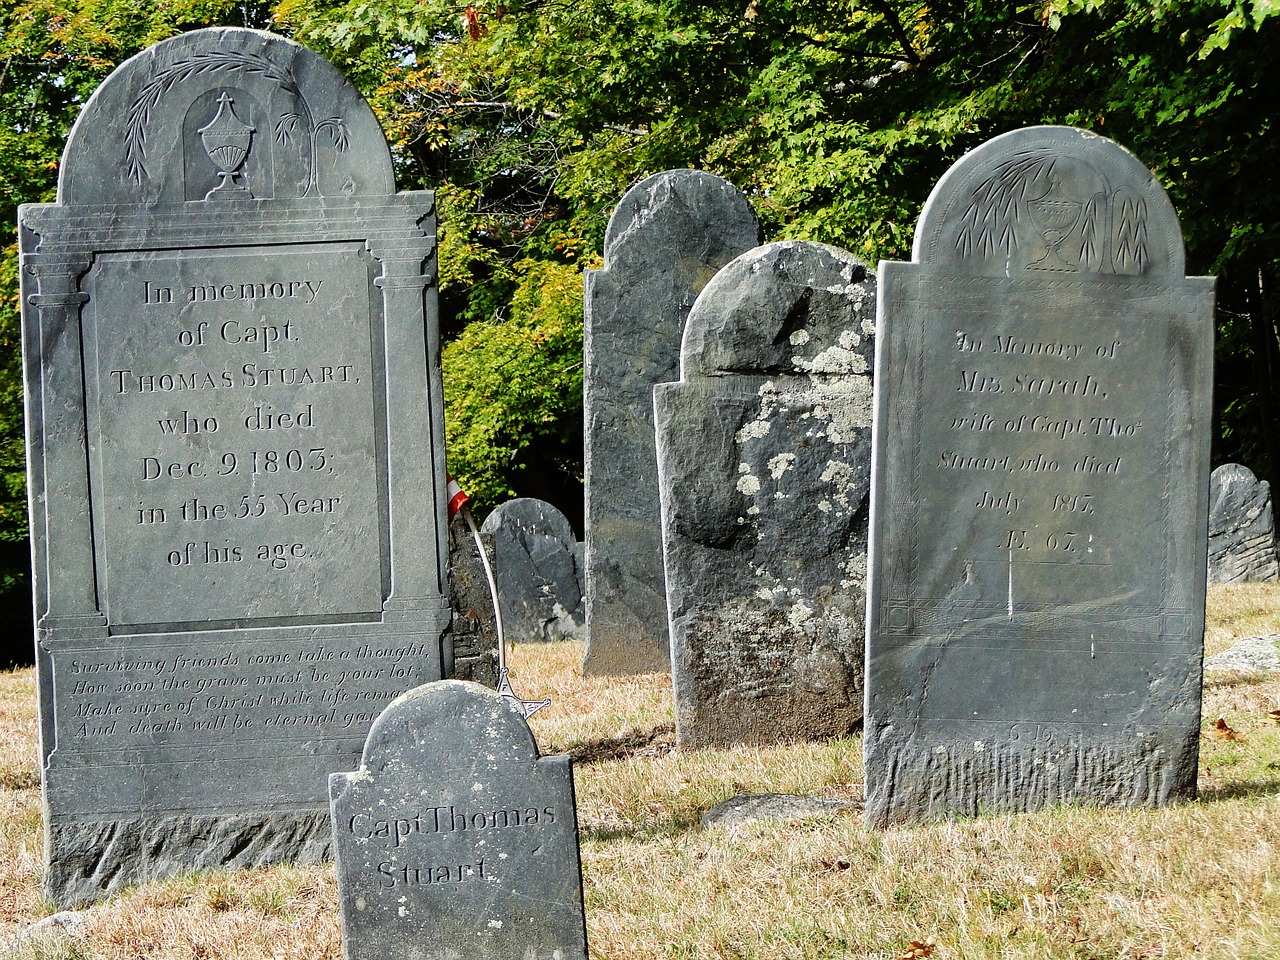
(1039,508)
(235,446)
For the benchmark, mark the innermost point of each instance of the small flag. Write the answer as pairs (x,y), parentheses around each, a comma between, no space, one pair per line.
(457,499)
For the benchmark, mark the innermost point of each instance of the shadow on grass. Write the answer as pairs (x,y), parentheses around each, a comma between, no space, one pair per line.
(1240,790)
(657,742)
(1230,679)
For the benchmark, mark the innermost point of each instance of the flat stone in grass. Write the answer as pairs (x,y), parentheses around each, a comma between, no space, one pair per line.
(764,459)
(1250,655)
(1039,495)
(668,236)
(454,839)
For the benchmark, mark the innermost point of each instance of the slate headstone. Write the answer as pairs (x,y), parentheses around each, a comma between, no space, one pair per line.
(454,838)
(668,236)
(1242,529)
(1039,491)
(764,464)
(234,439)
(535,562)
(474,635)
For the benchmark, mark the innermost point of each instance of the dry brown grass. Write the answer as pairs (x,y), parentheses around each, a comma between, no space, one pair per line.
(1197,880)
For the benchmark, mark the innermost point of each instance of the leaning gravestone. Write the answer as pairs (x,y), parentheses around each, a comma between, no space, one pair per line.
(667,238)
(454,839)
(237,549)
(1242,530)
(764,465)
(1036,610)
(535,563)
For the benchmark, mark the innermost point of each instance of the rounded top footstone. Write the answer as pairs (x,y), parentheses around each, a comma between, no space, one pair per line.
(449,718)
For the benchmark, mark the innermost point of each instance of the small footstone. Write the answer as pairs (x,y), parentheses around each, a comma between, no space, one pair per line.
(1242,530)
(535,562)
(454,839)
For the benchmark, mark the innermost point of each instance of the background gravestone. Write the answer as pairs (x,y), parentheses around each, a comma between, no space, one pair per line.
(667,238)
(238,555)
(1036,613)
(474,635)
(535,563)
(764,463)
(1242,530)
(454,839)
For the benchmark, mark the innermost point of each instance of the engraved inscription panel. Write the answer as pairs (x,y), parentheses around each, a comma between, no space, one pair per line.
(233,434)
(1040,417)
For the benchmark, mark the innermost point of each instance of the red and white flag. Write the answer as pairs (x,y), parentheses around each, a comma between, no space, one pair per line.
(457,499)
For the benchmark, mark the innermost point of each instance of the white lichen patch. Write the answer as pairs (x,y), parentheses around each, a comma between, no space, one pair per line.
(799,613)
(748,484)
(834,360)
(799,338)
(753,430)
(840,475)
(824,506)
(781,464)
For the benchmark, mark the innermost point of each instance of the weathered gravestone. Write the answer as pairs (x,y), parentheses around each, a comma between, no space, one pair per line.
(1036,611)
(667,238)
(764,462)
(237,547)
(473,638)
(454,839)
(1242,529)
(535,562)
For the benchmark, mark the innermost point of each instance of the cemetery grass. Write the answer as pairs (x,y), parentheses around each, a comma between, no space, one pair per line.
(1200,879)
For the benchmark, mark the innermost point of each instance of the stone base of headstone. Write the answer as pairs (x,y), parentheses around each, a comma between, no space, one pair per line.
(87,860)
(1242,530)
(474,633)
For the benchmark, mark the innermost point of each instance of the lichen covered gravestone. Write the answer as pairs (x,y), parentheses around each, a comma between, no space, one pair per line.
(764,463)
(1043,374)
(235,455)
(668,236)
(1242,529)
(454,839)
(535,562)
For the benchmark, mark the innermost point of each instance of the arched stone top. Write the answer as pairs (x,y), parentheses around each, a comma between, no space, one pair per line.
(792,307)
(224,114)
(1050,203)
(681,217)
(447,718)
(532,514)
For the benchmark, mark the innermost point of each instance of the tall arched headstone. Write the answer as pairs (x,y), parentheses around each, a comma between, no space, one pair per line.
(235,452)
(1041,465)
(668,236)
(764,466)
